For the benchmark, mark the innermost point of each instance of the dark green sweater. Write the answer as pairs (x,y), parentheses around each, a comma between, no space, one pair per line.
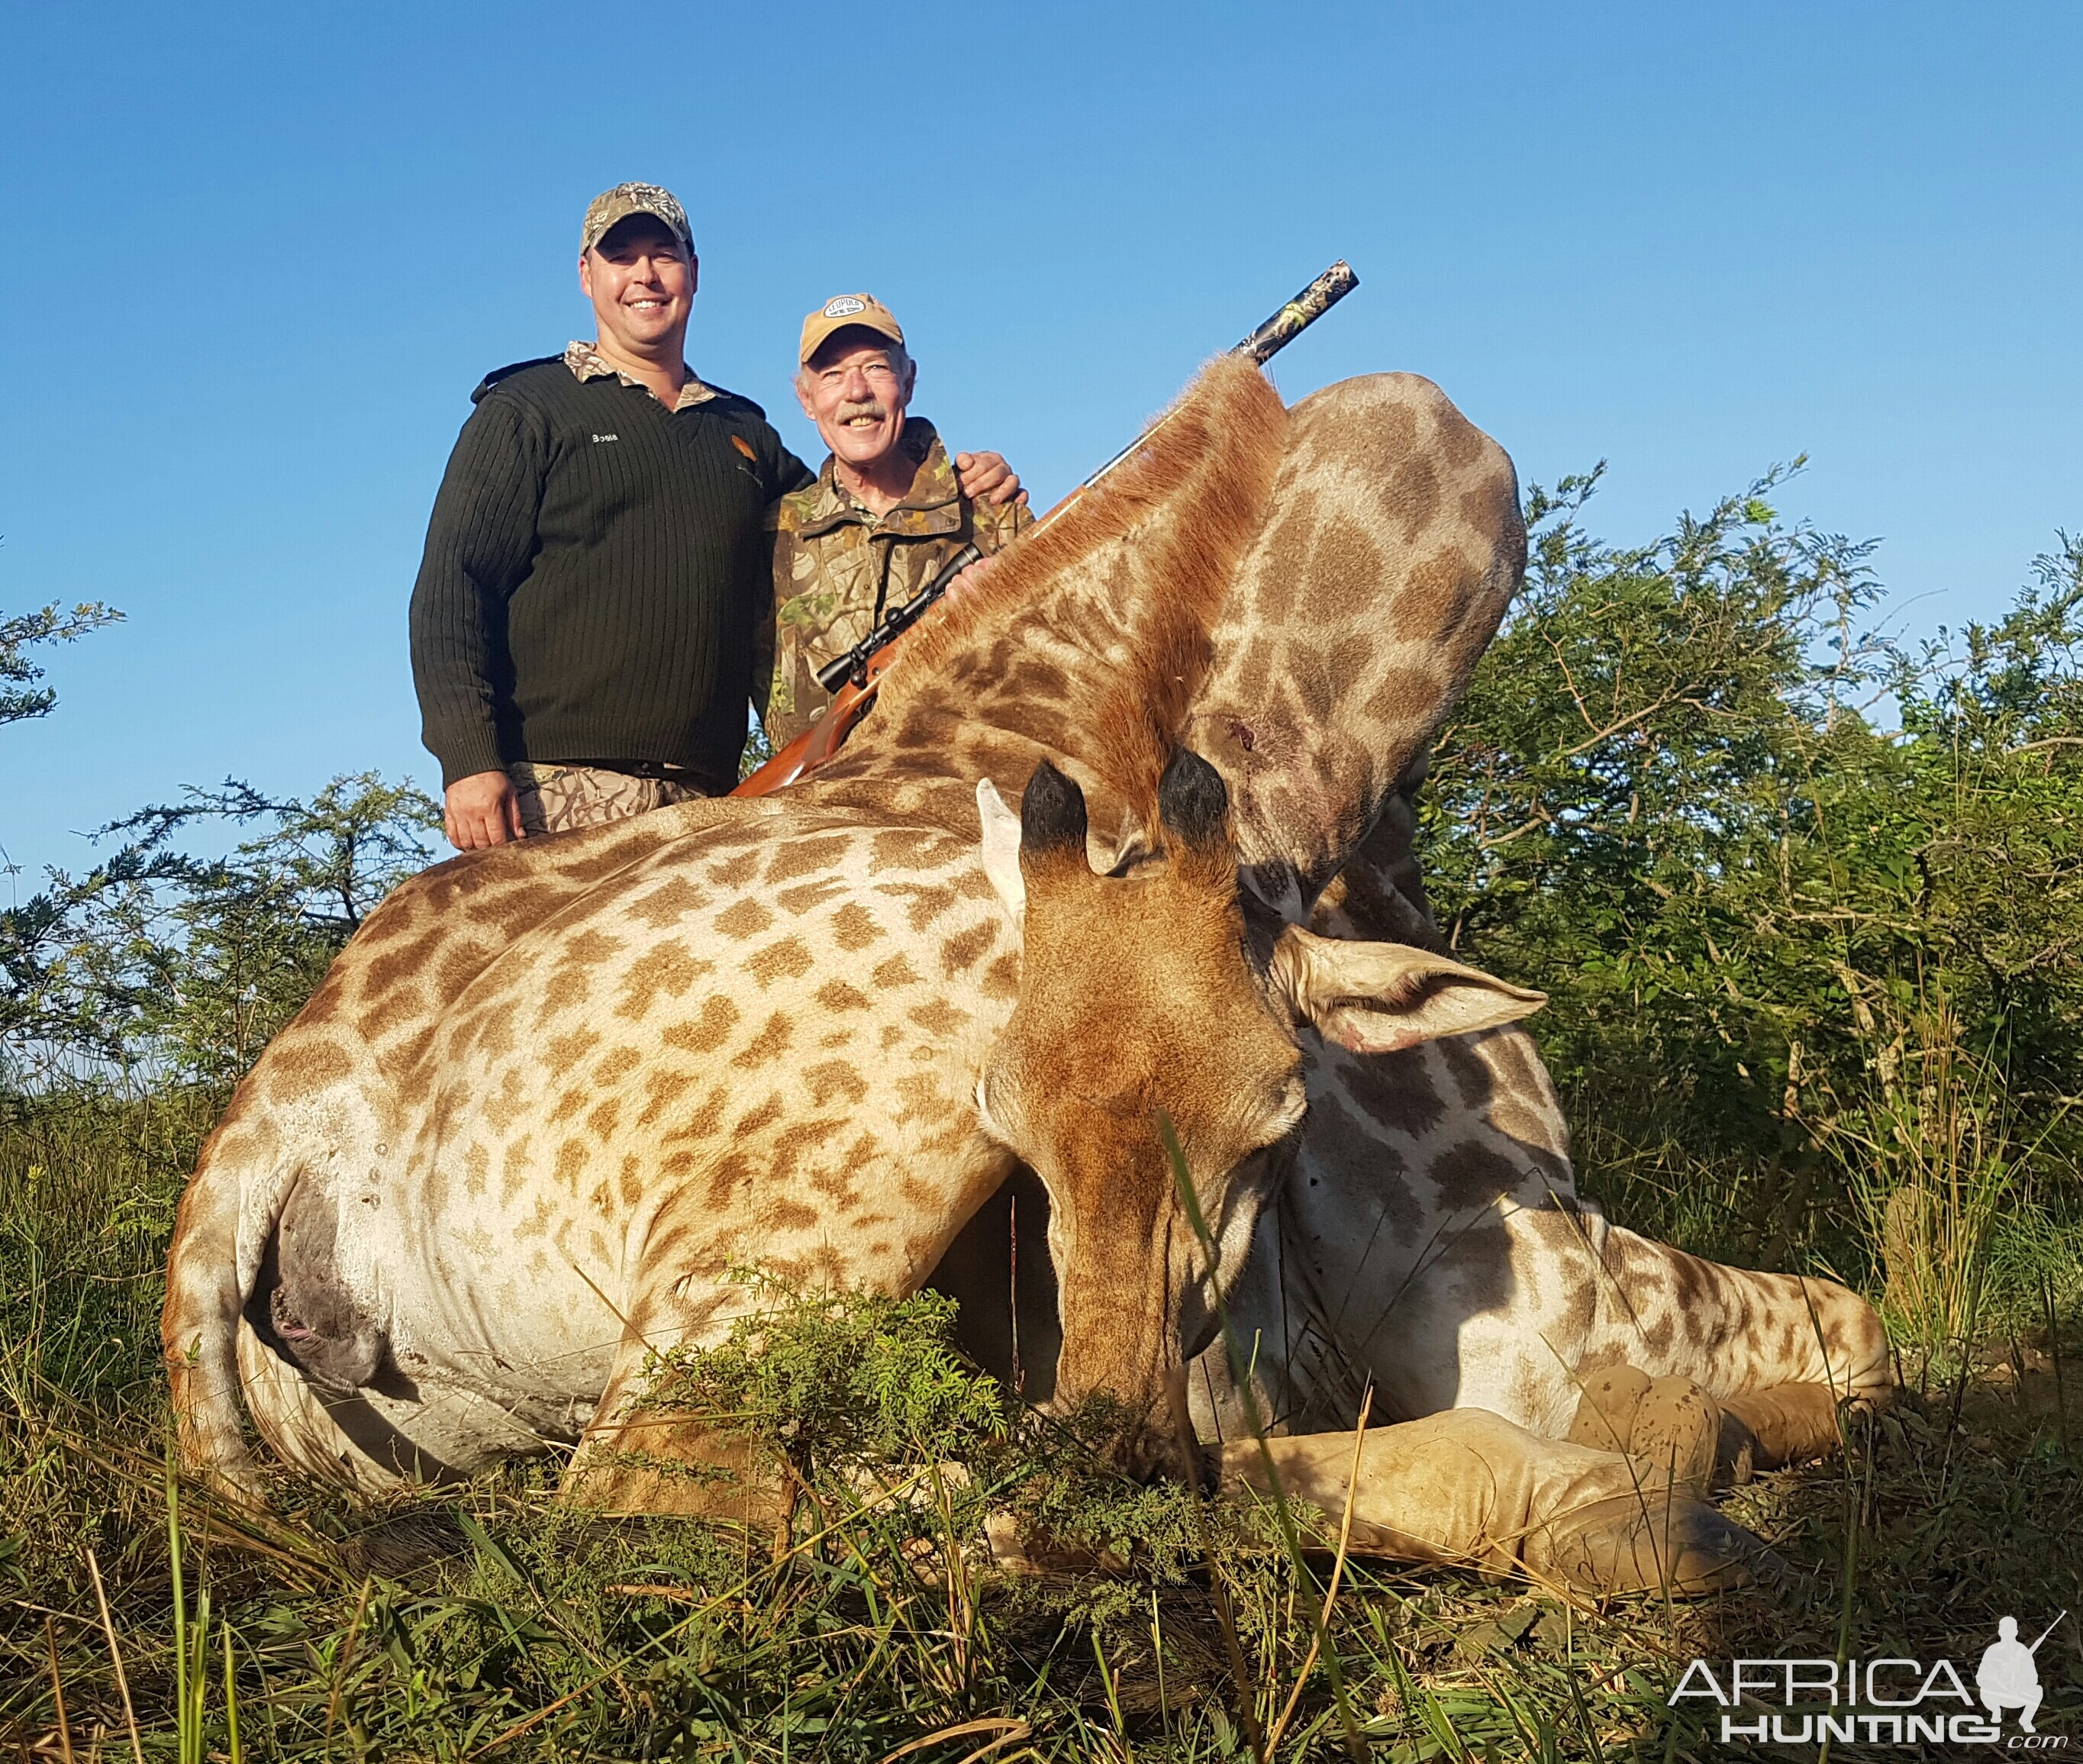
(594,576)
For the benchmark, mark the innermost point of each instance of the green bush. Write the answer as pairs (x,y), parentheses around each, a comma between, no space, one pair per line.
(1778,874)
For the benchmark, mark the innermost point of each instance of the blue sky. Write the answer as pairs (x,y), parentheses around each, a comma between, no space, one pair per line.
(258,257)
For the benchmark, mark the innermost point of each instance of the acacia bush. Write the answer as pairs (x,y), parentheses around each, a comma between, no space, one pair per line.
(158,969)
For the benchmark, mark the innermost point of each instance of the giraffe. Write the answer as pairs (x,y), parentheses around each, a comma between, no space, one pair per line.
(552,1092)
(1428,1240)
(1434,1237)
(1139,1002)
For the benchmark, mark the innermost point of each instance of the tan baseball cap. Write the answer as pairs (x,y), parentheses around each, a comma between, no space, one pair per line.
(617,204)
(842,310)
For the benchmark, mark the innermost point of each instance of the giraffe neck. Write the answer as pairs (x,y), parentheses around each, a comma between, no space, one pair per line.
(1087,641)
(1394,545)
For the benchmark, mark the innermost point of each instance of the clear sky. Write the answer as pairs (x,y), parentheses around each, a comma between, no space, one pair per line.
(257,257)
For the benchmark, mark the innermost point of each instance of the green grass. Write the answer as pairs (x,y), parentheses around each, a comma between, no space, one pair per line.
(487,1622)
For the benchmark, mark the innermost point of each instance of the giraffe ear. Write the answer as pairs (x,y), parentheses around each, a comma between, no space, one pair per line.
(1001,850)
(1377,998)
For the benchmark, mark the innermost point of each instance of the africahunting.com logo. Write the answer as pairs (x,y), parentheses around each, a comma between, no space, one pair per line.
(1882,1701)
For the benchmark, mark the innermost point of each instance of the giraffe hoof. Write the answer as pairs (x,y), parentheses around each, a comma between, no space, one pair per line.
(1670,1422)
(1673,1545)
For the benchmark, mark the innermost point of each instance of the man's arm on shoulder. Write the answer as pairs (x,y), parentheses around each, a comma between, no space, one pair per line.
(479,541)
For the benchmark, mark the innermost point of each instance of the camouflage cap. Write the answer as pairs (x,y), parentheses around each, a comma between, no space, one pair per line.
(843,311)
(624,199)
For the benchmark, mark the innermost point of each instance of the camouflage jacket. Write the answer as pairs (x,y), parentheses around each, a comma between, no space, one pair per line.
(838,566)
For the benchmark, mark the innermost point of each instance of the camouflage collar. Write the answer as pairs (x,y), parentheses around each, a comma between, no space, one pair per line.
(933,505)
(586,363)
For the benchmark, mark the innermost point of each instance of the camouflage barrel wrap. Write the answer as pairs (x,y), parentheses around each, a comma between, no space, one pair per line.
(1292,319)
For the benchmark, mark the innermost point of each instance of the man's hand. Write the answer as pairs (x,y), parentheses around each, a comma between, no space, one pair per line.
(968,580)
(986,477)
(480,810)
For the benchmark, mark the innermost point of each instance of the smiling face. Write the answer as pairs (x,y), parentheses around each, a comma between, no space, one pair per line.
(855,389)
(641,283)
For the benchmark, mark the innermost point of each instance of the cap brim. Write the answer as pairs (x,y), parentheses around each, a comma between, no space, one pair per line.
(687,245)
(821,331)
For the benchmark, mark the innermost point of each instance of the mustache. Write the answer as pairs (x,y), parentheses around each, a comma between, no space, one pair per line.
(873,408)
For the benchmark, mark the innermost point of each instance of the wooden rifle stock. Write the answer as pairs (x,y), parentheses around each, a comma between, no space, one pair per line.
(850,701)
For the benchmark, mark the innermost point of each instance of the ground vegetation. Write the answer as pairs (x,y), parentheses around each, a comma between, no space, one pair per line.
(1807,897)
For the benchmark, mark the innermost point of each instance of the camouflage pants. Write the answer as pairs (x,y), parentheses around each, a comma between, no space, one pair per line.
(554,799)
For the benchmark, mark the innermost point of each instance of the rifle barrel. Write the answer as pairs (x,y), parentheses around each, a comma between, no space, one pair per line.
(1266,342)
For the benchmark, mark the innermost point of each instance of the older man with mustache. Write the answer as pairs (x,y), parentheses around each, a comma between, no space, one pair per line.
(887,512)
(587,622)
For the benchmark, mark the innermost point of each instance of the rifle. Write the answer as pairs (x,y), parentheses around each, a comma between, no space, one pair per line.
(852,678)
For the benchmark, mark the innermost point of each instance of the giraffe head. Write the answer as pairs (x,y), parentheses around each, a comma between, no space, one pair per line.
(1140,1000)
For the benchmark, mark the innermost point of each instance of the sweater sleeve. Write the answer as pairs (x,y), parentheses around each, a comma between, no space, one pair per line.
(784,474)
(480,543)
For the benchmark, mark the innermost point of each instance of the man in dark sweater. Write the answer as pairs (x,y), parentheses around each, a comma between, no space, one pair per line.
(587,617)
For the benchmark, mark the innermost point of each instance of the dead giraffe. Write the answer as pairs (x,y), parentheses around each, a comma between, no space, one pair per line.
(1428,1239)
(1139,1002)
(1429,1236)
(551,1093)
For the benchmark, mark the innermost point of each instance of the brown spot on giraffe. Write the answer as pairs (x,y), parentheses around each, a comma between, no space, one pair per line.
(709,1031)
(895,973)
(672,900)
(924,902)
(305,1068)
(735,872)
(806,897)
(843,996)
(669,968)
(854,927)
(789,958)
(831,1078)
(964,949)
(939,1017)
(769,1045)
(747,919)
(805,858)
(793,1144)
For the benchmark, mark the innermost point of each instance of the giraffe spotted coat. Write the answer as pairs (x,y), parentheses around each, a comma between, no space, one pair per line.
(552,1092)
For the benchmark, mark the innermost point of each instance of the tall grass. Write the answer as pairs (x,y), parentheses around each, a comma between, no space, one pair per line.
(487,1622)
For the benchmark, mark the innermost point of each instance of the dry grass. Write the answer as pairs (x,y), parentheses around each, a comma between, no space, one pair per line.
(485,1623)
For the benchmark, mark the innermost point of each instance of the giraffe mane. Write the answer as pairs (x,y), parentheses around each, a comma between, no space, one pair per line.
(1179,514)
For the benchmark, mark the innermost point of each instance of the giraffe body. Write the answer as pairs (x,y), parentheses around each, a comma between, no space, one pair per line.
(657,1083)
(1429,1239)
(552,1092)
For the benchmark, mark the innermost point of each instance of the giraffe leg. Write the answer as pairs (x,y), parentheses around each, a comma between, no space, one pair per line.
(642,1455)
(1789,1423)
(1469,1489)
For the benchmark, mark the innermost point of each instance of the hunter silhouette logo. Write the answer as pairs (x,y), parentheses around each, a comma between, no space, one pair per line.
(2008,1676)
(1888,1700)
